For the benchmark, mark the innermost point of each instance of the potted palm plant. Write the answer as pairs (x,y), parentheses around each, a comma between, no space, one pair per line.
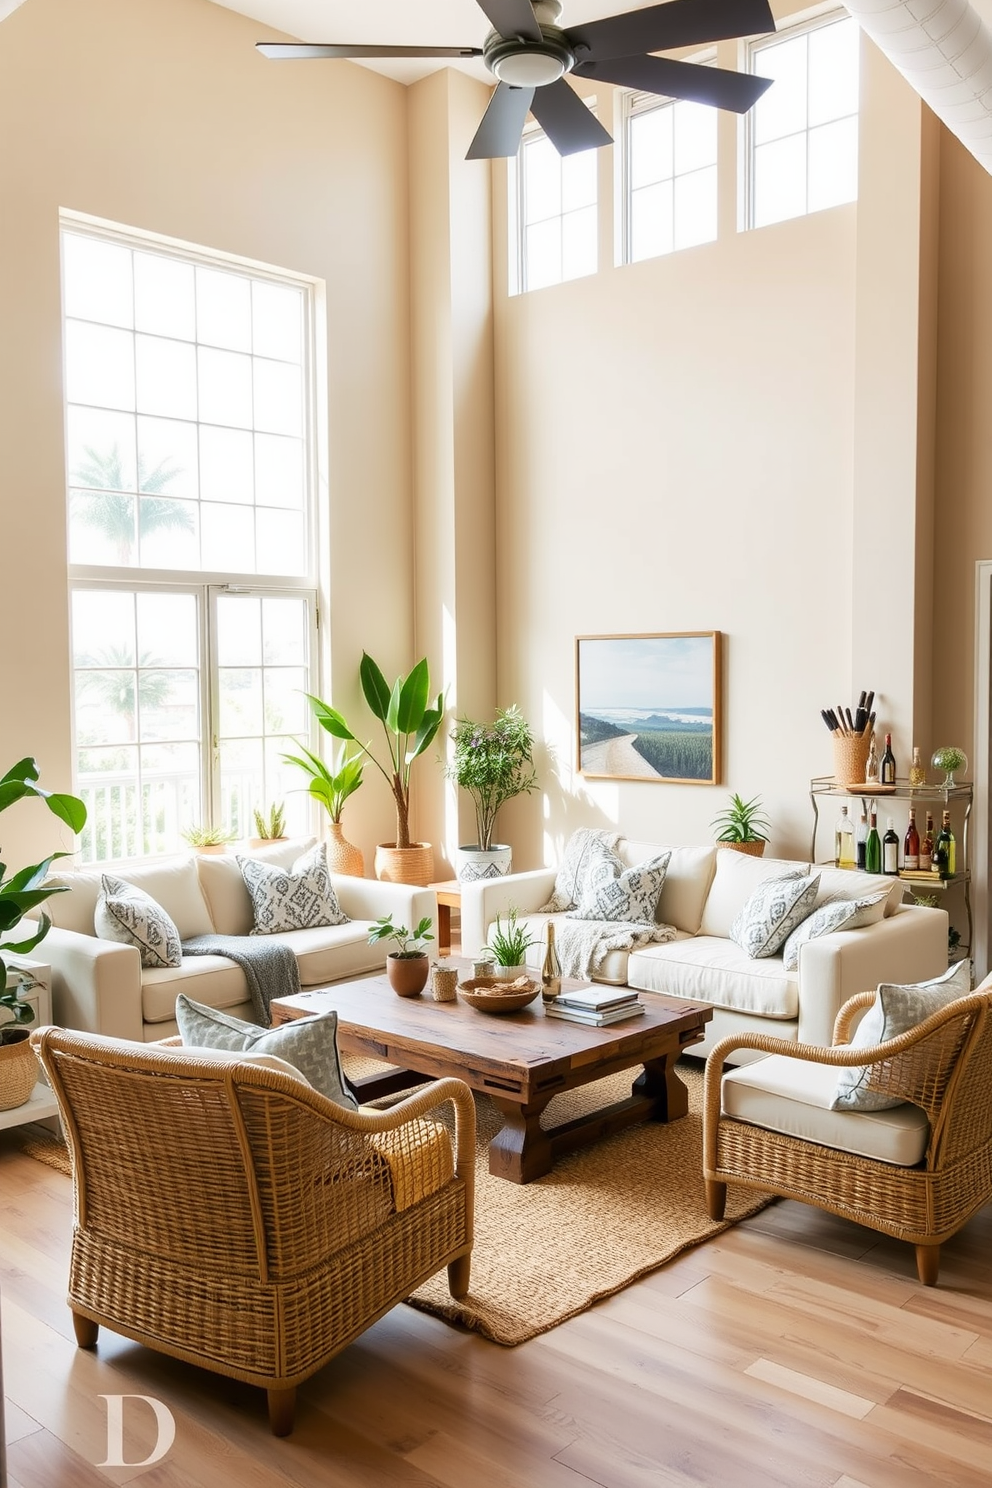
(332,787)
(409,723)
(19,893)
(493,762)
(743,826)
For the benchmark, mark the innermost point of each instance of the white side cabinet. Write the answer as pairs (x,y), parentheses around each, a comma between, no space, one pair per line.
(41,1104)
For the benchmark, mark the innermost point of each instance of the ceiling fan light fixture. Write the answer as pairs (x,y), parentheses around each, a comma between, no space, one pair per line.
(529,69)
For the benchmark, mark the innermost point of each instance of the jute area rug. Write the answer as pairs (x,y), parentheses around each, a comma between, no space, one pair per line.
(547,1250)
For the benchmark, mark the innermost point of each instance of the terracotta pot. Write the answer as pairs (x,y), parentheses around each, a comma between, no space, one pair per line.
(18,1072)
(257,844)
(753,849)
(405,865)
(343,856)
(407,974)
(214,847)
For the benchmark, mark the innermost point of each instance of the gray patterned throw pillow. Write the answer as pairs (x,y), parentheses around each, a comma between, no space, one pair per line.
(589,860)
(836,914)
(773,911)
(308,1044)
(896,1009)
(632,897)
(297,898)
(132,917)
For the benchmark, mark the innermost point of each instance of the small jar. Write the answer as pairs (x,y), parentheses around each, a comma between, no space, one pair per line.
(484,966)
(444,981)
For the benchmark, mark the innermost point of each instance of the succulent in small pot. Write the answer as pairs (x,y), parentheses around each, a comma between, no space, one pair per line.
(407,967)
(207,839)
(743,826)
(509,946)
(270,826)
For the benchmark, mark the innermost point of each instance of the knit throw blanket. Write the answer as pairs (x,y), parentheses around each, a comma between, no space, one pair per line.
(270,968)
(583,945)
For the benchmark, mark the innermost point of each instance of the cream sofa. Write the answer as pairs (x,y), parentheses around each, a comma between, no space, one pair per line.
(100,987)
(704,889)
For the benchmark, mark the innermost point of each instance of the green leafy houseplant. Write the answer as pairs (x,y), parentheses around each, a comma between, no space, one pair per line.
(26,889)
(200,836)
(493,762)
(743,821)
(272,825)
(331,787)
(410,943)
(510,945)
(409,723)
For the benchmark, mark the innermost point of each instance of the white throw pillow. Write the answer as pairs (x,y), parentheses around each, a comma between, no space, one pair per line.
(633,897)
(590,859)
(297,898)
(838,914)
(132,917)
(773,911)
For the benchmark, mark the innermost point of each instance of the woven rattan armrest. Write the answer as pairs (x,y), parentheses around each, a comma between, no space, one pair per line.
(843,1020)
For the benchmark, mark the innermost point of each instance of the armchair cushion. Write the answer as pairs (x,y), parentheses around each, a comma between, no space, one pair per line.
(309,1044)
(297,898)
(896,1010)
(795,1097)
(773,911)
(132,917)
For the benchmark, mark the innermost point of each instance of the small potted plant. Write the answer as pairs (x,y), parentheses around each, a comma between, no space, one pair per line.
(207,839)
(270,826)
(493,762)
(509,947)
(332,787)
(406,967)
(743,826)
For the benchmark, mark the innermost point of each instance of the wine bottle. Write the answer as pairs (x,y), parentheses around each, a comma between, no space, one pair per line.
(911,846)
(871,768)
(917,774)
(873,847)
(926,846)
(551,969)
(887,764)
(844,840)
(945,851)
(862,835)
(890,849)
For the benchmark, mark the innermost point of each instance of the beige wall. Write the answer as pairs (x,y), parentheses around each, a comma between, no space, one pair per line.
(160,115)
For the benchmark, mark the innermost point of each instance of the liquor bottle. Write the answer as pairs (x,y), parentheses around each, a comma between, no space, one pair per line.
(844,841)
(911,846)
(926,846)
(917,774)
(887,764)
(945,849)
(551,970)
(890,849)
(871,768)
(873,847)
(862,834)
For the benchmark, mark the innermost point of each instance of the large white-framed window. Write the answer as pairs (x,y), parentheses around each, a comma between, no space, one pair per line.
(553,213)
(669,178)
(802,134)
(192,560)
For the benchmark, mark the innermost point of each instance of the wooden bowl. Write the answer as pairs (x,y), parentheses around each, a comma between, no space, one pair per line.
(487,995)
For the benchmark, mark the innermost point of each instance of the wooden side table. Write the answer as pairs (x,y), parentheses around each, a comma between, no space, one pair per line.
(449,897)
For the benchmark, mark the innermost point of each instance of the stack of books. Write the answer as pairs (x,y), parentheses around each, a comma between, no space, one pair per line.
(596,1005)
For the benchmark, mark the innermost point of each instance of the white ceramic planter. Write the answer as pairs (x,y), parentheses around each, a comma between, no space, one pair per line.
(474,863)
(509,973)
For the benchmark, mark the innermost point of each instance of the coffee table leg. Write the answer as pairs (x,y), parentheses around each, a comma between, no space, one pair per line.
(521,1150)
(660,1082)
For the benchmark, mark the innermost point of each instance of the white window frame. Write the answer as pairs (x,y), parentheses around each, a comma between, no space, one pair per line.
(809,20)
(208,584)
(516,257)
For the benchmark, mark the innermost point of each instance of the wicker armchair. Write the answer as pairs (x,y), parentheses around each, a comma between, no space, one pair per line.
(943,1067)
(229,1215)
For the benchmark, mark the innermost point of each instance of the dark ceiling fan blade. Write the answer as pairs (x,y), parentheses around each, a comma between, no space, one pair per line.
(502,124)
(512,18)
(283,51)
(660,28)
(569,125)
(736,91)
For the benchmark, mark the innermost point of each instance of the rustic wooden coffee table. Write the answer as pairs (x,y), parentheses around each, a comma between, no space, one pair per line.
(520,1060)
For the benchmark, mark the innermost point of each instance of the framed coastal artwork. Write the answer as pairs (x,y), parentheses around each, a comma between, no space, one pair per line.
(649,707)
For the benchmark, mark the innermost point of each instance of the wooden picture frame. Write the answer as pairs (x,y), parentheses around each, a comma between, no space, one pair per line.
(673,680)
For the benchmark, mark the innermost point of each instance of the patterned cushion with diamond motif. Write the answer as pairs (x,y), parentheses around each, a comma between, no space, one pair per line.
(297,898)
(773,911)
(132,917)
(632,897)
(590,859)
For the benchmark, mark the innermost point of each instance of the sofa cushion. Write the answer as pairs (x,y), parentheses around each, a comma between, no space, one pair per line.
(707,968)
(331,952)
(632,896)
(589,858)
(896,1009)
(210,979)
(173,883)
(734,881)
(847,883)
(794,1096)
(687,882)
(838,914)
(773,911)
(298,898)
(132,917)
(224,888)
(309,1044)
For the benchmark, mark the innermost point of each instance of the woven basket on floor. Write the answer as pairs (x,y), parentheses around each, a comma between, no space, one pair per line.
(18,1074)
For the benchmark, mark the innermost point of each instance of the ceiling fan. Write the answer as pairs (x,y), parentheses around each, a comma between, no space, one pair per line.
(529,55)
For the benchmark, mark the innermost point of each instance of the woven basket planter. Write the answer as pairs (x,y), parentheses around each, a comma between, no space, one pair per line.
(405,865)
(753,849)
(343,856)
(18,1073)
